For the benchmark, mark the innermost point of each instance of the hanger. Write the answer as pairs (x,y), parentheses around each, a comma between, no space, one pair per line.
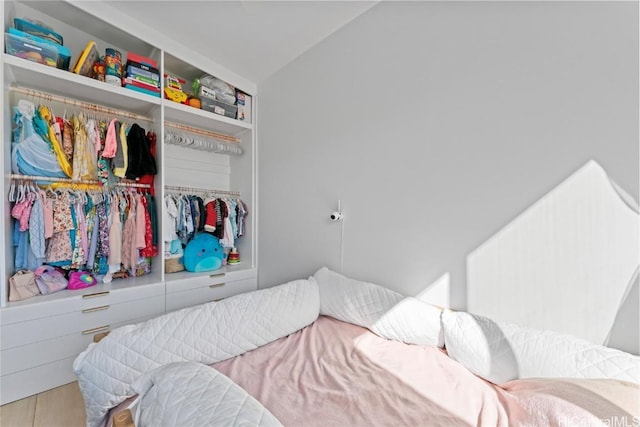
(51,192)
(12,191)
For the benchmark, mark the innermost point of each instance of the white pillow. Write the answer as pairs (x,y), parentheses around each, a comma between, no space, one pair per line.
(500,352)
(413,322)
(385,312)
(353,301)
(478,344)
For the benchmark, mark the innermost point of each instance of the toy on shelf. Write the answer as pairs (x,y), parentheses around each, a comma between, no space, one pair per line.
(113,67)
(88,57)
(173,89)
(100,69)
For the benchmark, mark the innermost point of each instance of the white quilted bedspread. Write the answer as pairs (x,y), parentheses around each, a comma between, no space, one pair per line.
(500,352)
(206,334)
(214,332)
(189,394)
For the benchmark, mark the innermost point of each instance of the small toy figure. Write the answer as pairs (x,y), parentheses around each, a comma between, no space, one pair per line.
(173,89)
(100,69)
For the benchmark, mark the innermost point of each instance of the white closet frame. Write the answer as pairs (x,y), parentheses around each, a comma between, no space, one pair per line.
(40,337)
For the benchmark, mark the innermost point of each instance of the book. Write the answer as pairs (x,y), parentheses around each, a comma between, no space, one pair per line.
(88,57)
(135,71)
(142,90)
(141,84)
(142,79)
(143,66)
(131,56)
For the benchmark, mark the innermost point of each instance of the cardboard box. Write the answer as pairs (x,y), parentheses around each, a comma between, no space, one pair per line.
(244,104)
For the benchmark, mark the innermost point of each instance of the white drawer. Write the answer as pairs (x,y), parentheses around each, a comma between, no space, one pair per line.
(31,381)
(42,352)
(71,301)
(200,281)
(213,292)
(185,281)
(88,320)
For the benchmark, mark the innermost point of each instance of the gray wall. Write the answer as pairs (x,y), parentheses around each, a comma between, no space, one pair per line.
(436,124)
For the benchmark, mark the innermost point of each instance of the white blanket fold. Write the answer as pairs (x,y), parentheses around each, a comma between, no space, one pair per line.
(191,394)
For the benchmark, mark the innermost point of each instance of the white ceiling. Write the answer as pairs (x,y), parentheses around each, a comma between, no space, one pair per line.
(251,38)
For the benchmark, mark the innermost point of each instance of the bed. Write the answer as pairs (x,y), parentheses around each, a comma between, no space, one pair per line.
(334,351)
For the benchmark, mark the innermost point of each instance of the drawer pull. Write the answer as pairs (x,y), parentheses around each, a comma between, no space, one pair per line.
(213,276)
(91,310)
(104,328)
(95,295)
(217,285)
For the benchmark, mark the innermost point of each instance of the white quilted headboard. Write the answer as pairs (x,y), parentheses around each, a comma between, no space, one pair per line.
(566,264)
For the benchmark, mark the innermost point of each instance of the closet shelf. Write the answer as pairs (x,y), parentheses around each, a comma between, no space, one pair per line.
(203,119)
(36,76)
(129,283)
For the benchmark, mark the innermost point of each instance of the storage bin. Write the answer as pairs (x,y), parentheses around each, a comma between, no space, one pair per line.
(219,107)
(64,54)
(173,265)
(29,49)
(216,94)
(38,30)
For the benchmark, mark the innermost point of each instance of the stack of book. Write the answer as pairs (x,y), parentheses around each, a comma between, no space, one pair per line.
(142,75)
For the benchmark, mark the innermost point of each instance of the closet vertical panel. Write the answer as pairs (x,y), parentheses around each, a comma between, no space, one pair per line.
(157,266)
(160,181)
(5,159)
(243,180)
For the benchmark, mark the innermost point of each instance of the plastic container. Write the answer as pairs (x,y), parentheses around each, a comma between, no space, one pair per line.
(37,29)
(64,54)
(31,50)
(218,107)
(206,92)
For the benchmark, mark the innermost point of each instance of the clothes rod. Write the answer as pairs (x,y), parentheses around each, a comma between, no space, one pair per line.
(198,131)
(175,188)
(77,103)
(71,181)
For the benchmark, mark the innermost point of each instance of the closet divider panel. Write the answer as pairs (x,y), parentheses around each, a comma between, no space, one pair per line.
(5,160)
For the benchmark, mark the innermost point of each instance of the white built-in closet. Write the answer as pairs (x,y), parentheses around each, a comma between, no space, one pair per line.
(41,336)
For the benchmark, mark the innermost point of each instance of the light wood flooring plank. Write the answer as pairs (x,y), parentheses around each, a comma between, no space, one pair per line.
(19,413)
(60,407)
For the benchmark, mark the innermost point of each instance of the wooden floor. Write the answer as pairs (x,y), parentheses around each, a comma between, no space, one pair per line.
(59,407)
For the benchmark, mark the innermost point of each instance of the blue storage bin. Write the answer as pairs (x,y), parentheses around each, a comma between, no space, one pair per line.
(28,46)
(37,30)
(22,47)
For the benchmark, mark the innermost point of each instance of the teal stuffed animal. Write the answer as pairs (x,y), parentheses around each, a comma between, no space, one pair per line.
(203,253)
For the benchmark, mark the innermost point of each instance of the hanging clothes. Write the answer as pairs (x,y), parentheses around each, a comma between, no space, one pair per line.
(120,161)
(67,139)
(31,154)
(140,161)
(84,156)
(188,214)
(129,250)
(46,121)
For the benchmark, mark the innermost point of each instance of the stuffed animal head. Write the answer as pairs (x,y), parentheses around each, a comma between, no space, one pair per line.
(203,253)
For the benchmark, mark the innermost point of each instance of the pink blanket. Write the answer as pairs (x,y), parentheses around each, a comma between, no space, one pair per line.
(337,374)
